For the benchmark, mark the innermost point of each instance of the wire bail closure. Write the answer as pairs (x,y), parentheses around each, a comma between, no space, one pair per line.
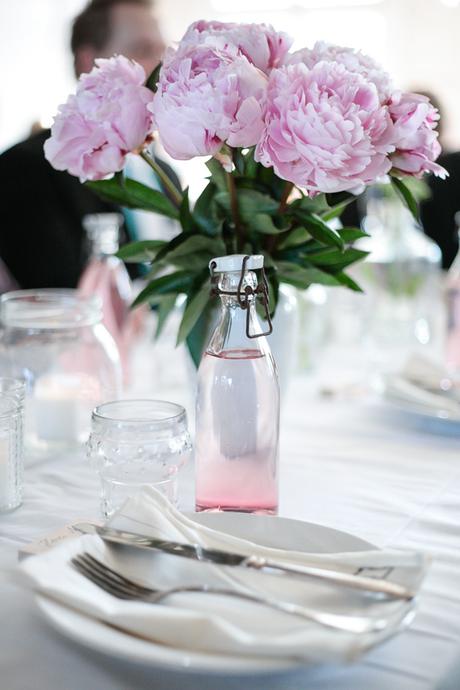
(243,296)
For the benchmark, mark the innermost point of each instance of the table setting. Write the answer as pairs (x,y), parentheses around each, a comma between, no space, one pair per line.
(172,516)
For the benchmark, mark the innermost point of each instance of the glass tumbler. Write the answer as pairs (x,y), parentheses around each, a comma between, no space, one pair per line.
(12,393)
(136,444)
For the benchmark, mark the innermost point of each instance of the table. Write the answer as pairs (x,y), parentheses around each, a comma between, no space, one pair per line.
(343,464)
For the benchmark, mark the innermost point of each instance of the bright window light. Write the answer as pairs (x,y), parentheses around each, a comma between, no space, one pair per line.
(268,5)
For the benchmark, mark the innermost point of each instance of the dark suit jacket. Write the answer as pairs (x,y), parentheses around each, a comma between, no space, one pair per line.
(42,240)
(438,212)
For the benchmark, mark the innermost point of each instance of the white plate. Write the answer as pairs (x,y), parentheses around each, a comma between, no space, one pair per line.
(269,531)
(424,417)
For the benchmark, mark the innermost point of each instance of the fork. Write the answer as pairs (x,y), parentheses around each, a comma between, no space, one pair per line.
(122,587)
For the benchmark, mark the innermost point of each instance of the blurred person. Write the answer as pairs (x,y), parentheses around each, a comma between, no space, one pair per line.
(43,243)
(438,211)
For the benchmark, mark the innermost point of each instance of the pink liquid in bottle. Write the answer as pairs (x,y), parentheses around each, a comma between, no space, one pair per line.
(237,427)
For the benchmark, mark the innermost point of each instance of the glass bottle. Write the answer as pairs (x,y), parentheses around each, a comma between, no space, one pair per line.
(237,412)
(453,312)
(106,276)
(401,311)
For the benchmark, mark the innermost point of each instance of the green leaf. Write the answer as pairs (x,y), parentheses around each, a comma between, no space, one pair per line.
(199,336)
(193,309)
(351,234)
(263,223)
(407,197)
(136,252)
(336,198)
(250,165)
(337,260)
(239,160)
(204,211)
(294,238)
(318,229)
(249,203)
(316,204)
(337,210)
(152,81)
(345,279)
(218,174)
(166,304)
(185,216)
(274,184)
(177,282)
(133,194)
(303,277)
(197,243)
(273,291)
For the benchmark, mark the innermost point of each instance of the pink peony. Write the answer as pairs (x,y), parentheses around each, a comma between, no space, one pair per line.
(353,60)
(106,119)
(259,43)
(416,140)
(325,129)
(205,98)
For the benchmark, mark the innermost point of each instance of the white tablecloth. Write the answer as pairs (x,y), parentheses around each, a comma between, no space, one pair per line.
(343,465)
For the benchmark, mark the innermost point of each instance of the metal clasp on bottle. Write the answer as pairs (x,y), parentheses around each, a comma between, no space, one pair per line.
(243,297)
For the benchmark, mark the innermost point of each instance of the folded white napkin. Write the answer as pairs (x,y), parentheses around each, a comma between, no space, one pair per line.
(420,382)
(401,389)
(219,624)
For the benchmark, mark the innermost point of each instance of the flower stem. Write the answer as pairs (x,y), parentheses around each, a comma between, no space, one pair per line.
(286,191)
(167,183)
(235,210)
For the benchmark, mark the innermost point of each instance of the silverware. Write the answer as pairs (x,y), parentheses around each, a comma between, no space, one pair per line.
(196,552)
(122,587)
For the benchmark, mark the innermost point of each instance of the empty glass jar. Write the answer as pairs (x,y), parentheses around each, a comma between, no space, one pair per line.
(55,341)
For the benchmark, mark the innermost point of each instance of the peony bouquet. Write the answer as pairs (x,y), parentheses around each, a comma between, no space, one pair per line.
(291,137)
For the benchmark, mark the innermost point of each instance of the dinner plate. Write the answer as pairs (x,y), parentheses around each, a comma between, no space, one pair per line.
(266,530)
(423,417)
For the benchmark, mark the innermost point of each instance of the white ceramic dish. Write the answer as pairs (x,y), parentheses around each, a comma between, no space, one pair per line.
(270,531)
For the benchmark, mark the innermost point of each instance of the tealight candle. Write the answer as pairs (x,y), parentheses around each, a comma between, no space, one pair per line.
(62,407)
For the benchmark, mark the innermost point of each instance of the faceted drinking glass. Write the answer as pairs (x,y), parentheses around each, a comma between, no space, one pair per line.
(136,444)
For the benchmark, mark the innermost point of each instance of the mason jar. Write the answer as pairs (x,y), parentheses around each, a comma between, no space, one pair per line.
(56,342)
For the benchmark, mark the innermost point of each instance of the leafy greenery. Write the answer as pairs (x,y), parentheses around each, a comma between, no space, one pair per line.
(249,210)
(407,197)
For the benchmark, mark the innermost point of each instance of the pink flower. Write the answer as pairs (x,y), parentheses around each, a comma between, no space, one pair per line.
(353,60)
(325,129)
(416,140)
(259,43)
(106,119)
(205,98)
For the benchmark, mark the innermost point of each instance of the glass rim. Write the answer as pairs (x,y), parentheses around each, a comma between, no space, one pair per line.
(49,308)
(100,412)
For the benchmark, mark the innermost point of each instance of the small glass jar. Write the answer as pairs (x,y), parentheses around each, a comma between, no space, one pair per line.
(136,444)
(55,341)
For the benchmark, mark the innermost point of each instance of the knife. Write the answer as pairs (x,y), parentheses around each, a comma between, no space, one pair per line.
(217,557)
